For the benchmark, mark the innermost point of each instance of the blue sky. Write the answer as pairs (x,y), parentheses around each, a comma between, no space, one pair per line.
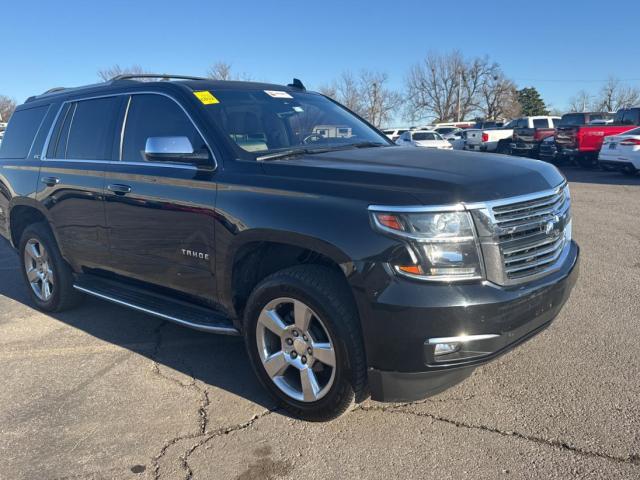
(557,46)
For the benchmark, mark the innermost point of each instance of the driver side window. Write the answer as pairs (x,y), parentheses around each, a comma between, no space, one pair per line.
(150,115)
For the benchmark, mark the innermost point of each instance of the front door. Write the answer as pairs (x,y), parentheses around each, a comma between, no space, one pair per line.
(160,215)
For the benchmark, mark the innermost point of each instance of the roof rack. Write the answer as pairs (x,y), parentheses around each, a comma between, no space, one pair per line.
(133,76)
(54,89)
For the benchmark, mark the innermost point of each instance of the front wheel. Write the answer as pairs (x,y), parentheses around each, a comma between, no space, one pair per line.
(303,337)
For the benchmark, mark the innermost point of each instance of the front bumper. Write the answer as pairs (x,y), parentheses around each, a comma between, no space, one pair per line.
(406,314)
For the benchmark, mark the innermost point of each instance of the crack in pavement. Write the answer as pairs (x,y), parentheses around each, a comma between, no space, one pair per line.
(632,459)
(202,406)
(202,432)
(218,433)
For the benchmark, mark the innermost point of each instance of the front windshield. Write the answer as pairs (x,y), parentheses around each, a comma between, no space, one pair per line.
(265,121)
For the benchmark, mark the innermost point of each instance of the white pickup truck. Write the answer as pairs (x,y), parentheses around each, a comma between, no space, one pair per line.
(498,139)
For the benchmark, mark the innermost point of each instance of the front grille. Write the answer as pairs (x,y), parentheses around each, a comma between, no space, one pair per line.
(524,238)
(531,233)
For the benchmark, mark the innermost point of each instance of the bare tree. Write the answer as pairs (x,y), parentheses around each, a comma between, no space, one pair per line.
(499,98)
(224,71)
(366,94)
(581,102)
(378,103)
(448,87)
(615,95)
(108,73)
(7,106)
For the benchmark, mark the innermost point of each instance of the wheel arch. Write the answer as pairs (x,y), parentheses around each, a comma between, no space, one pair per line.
(22,213)
(256,254)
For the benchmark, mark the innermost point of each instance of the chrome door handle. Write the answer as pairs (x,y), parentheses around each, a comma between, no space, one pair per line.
(50,181)
(119,189)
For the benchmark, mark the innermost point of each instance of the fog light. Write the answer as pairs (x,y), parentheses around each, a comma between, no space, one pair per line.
(445,348)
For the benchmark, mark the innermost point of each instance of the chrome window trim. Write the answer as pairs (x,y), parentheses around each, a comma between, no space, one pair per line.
(116,162)
(124,124)
(130,94)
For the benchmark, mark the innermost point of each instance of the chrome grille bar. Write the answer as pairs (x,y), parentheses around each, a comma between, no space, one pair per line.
(524,239)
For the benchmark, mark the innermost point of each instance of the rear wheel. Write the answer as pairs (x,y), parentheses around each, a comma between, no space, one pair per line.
(629,171)
(302,334)
(503,148)
(45,272)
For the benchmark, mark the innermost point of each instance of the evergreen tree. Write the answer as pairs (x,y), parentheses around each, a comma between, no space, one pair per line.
(531,102)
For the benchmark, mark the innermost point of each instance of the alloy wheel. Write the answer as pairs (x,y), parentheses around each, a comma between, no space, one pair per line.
(296,349)
(39,269)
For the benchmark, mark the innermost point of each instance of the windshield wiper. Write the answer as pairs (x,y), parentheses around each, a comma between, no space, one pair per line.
(368,144)
(294,152)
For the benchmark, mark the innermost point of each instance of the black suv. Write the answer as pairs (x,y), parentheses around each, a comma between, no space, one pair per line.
(352,267)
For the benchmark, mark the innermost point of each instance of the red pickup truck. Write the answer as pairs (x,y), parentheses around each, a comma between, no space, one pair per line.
(583,142)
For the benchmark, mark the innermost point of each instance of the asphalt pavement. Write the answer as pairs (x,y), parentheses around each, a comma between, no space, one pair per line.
(102,392)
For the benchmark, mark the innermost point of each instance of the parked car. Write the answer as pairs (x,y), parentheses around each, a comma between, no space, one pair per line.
(448,132)
(548,150)
(423,138)
(582,143)
(622,152)
(529,132)
(393,133)
(350,266)
(576,119)
(490,140)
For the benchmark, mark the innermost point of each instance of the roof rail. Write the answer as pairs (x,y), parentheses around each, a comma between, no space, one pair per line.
(132,76)
(54,89)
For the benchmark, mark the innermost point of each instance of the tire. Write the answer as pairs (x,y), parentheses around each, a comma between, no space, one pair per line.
(629,172)
(323,295)
(588,162)
(49,268)
(503,148)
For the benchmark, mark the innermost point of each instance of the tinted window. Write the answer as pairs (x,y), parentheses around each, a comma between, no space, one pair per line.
(540,123)
(155,116)
(21,131)
(84,130)
(522,123)
(632,116)
(572,119)
(424,136)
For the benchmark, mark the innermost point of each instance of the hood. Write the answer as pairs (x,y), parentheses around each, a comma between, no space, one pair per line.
(432,177)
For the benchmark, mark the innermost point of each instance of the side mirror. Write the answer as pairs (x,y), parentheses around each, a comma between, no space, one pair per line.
(174,149)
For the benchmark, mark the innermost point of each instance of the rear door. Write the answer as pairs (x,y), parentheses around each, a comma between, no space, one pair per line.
(72,178)
(160,215)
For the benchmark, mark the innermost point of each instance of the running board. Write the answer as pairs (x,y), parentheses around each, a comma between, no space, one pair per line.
(177,311)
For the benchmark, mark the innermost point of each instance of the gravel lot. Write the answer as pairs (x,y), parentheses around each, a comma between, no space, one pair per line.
(103,392)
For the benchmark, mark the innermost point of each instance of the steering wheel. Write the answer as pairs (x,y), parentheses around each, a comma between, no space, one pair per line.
(310,138)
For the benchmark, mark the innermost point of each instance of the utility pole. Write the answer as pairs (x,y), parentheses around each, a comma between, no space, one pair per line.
(459,92)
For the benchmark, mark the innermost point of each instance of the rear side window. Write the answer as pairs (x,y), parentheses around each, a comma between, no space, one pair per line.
(155,116)
(85,130)
(540,123)
(21,132)
(631,116)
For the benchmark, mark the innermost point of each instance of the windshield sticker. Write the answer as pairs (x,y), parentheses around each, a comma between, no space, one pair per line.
(277,94)
(206,97)
(298,109)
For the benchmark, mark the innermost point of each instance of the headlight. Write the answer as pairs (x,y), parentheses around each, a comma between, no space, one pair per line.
(443,244)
